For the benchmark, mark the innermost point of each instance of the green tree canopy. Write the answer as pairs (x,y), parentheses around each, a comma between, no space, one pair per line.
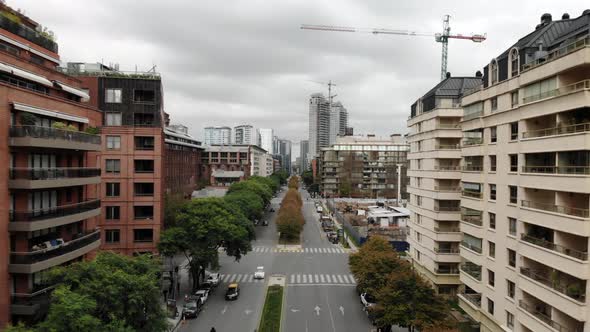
(250,204)
(256,187)
(307,178)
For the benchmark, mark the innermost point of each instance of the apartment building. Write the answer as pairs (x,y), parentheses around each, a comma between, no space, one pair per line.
(226,164)
(49,197)
(435,188)
(217,135)
(338,121)
(182,161)
(266,141)
(245,135)
(368,167)
(131,156)
(319,124)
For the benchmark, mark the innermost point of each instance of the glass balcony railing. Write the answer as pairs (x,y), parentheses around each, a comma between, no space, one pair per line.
(564,90)
(471,247)
(472,168)
(472,270)
(447,147)
(543,317)
(554,131)
(446,270)
(572,211)
(472,141)
(446,251)
(558,53)
(575,290)
(581,255)
(52,173)
(27,33)
(473,298)
(572,170)
(54,212)
(32,257)
(53,133)
(472,193)
(447,208)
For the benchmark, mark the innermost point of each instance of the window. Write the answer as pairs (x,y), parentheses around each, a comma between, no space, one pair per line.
(112,236)
(113,189)
(113,142)
(113,119)
(113,212)
(113,166)
(509,320)
(144,96)
(512,226)
(492,220)
(511,257)
(514,131)
(144,166)
(6,47)
(492,163)
(513,162)
(513,194)
(418,219)
(491,306)
(493,135)
(37,59)
(511,289)
(494,71)
(494,102)
(418,237)
(143,212)
(542,89)
(514,96)
(419,146)
(144,142)
(143,189)
(113,95)
(143,235)
(514,62)
(491,249)
(419,200)
(491,278)
(418,255)
(418,182)
(493,193)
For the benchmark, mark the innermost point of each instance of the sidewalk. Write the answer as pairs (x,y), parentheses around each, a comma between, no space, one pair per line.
(353,247)
(185,288)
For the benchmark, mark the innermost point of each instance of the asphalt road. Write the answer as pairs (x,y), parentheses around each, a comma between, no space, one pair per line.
(320,294)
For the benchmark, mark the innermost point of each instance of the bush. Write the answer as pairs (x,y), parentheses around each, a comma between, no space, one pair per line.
(28,119)
(92,130)
(271,313)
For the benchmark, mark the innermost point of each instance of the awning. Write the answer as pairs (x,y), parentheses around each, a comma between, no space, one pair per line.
(53,114)
(25,74)
(75,91)
(227,174)
(27,48)
(171,141)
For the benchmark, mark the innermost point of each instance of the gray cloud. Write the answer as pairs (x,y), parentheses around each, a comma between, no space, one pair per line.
(247,61)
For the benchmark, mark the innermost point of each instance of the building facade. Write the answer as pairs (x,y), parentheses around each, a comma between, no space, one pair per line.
(319,124)
(304,162)
(182,161)
(265,136)
(217,135)
(49,190)
(284,153)
(133,176)
(435,188)
(245,135)
(226,164)
(338,122)
(367,167)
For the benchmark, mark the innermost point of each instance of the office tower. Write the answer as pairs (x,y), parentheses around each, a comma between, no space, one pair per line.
(266,139)
(217,135)
(245,135)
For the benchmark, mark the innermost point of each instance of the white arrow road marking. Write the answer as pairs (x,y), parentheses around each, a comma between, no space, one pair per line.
(317,310)
(247,311)
(341,310)
(224,310)
(295,310)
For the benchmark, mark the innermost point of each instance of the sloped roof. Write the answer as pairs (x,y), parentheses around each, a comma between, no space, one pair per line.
(453,87)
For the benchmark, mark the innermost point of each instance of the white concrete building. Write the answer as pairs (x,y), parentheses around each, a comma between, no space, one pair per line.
(245,135)
(266,139)
(217,135)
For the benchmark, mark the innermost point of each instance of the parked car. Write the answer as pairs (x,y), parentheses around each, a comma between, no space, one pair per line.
(271,210)
(233,291)
(206,286)
(256,222)
(367,300)
(213,278)
(259,274)
(265,223)
(190,309)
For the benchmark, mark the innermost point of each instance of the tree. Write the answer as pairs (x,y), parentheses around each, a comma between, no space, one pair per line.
(250,204)
(203,226)
(307,178)
(345,187)
(172,203)
(253,186)
(290,219)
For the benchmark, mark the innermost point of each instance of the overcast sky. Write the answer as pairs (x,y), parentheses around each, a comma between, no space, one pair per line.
(246,61)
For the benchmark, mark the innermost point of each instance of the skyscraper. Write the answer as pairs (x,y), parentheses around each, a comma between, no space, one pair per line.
(304,155)
(338,121)
(217,135)
(245,135)
(266,139)
(284,153)
(319,123)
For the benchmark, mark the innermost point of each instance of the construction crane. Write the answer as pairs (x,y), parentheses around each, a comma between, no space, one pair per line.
(330,85)
(442,38)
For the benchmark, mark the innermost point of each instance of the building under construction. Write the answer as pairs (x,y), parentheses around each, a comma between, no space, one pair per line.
(364,167)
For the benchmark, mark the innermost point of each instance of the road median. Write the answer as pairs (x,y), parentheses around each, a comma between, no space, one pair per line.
(270,321)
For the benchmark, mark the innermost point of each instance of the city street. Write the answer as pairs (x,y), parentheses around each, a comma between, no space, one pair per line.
(320,294)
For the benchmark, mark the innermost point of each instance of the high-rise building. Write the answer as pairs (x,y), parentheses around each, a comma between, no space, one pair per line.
(319,123)
(132,158)
(367,167)
(217,135)
(275,145)
(49,187)
(266,139)
(338,122)
(434,159)
(245,135)
(304,155)
(525,185)
(285,154)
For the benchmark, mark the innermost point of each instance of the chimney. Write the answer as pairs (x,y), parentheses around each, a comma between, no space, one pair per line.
(545,19)
(478,74)
(448,75)
(565,16)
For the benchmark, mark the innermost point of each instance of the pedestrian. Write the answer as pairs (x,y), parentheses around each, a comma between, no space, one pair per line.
(213,330)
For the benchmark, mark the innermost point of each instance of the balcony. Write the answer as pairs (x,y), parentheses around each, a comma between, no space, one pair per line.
(447,208)
(40,178)
(472,168)
(473,298)
(571,211)
(52,138)
(471,216)
(35,37)
(583,256)
(543,317)
(558,53)
(29,221)
(472,194)
(556,131)
(564,90)
(471,247)
(556,281)
(34,261)
(447,147)
(472,270)
(446,251)
(472,141)
(31,304)
(569,170)
(450,270)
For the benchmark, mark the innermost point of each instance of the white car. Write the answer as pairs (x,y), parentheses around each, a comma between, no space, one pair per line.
(203,295)
(213,278)
(259,274)
(367,300)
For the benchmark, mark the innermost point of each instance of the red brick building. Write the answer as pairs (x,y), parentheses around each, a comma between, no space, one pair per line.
(182,162)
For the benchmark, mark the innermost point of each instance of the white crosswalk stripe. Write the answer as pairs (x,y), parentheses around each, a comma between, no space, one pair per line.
(304,278)
(345,279)
(251,278)
(317,278)
(328,278)
(232,278)
(340,279)
(292,278)
(322,278)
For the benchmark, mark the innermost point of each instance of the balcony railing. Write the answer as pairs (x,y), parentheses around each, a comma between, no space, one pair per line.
(575,170)
(577,293)
(446,270)
(558,53)
(448,126)
(569,129)
(447,230)
(472,270)
(54,212)
(446,251)
(27,33)
(52,173)
(472,168)
(45,254)
(572,211)
(447,147)
(447,168)
(472,115)
(472,193)
(53,133)
(475,219)
(475,299)
(544,318)
(581,255)
(448,188)
(471,247)
(571,88)
(472,141)
(447,208)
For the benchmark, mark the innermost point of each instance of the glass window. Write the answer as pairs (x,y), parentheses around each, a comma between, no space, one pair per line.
(147,143)
(143,212)
(513,163)
(514,96)
(514,131)
(511,289)
(543,89)
(491,278)
(144,96)
(113,189)
(492,163)
(494,102)
(493,135)
(514,62)
(144,166)
(112,236)
(143,189)
(511,257)
(491,306)
(113,142)
(113,95)
(513,194)
(113,119)
(113,165)
(509,320)
(492,220)
(113,212)
(493,195)
(491,249)
(143,235)
(494,70)
(512,226)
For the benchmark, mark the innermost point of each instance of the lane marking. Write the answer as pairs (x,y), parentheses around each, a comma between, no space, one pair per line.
(322,278)
(340,279)
(310,278)
(345,279)
(328,278)
(317,279)
(304,278)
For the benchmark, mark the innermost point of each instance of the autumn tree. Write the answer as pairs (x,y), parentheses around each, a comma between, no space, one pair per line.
(290,218)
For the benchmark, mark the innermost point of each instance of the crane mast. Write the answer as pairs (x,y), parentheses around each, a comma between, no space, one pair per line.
(442,38)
